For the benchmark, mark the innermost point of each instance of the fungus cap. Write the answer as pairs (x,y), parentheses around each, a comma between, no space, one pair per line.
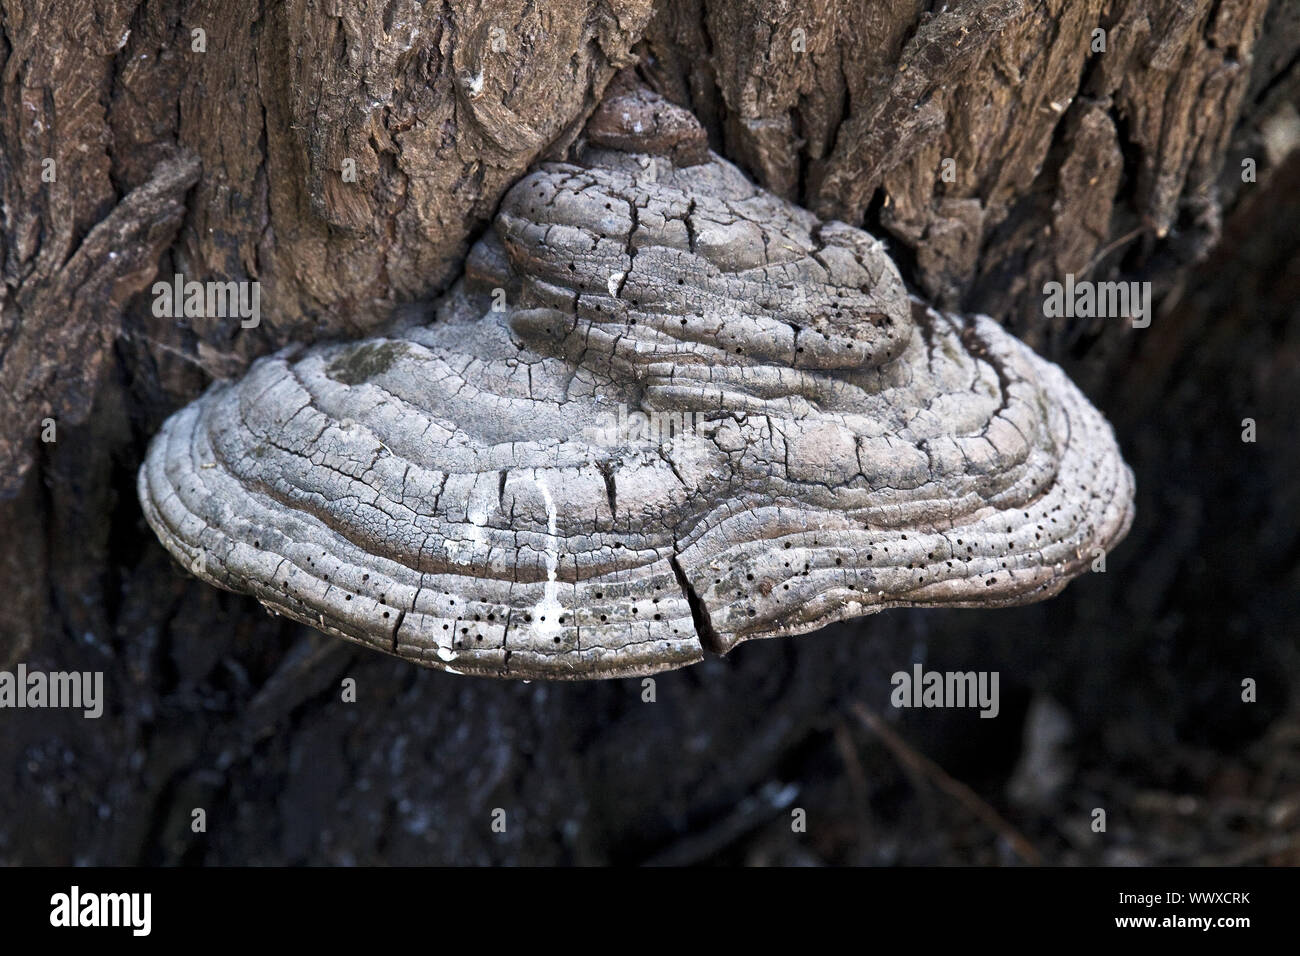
(704,416)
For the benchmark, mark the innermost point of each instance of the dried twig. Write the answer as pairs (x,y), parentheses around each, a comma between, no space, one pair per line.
(968,798)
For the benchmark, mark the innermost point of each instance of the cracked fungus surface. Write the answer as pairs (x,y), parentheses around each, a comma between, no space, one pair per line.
(702,416)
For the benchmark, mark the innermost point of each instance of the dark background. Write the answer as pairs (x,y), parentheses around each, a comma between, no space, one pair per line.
(1123,693)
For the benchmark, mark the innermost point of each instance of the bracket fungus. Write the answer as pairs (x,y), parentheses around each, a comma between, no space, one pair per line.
(663,412)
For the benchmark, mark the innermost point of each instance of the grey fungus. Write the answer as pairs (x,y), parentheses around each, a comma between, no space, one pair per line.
(705,416)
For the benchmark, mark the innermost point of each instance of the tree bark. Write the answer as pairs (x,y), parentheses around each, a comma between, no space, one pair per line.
(222,155)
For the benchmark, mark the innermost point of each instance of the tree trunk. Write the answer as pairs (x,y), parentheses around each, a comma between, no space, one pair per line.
(344,155)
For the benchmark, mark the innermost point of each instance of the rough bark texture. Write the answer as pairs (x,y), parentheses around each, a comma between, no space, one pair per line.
(1124,692)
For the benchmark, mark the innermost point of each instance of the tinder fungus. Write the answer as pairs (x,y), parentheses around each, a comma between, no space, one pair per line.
(664,411)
